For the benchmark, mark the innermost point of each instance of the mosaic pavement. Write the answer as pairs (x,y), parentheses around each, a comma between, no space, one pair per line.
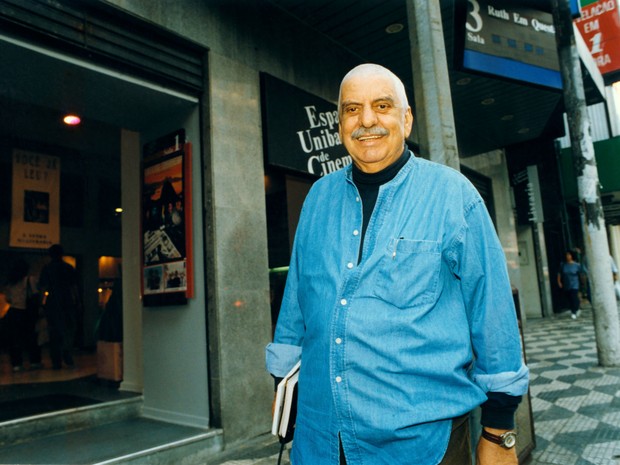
(575,402)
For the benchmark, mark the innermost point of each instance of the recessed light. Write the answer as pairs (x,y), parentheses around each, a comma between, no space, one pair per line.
(394,28)
(72,120)
(507,117)
(118,210)
(488,101)
(523,130)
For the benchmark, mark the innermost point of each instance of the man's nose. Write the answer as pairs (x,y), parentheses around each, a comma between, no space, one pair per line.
(368,117)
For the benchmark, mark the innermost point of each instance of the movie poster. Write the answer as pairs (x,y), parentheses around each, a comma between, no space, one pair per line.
(35,209)
(165,221)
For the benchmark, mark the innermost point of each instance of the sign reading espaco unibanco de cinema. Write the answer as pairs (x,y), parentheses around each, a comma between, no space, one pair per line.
(300,129)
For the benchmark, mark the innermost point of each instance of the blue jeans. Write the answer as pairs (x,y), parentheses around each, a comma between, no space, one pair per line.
(573,299)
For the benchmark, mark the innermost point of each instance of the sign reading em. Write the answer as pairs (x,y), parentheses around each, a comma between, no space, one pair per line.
(599,26)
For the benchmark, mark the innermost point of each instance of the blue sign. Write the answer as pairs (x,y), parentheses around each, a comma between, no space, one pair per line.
(511,42)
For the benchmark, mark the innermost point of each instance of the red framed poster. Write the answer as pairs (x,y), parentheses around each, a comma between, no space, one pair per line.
(167,265)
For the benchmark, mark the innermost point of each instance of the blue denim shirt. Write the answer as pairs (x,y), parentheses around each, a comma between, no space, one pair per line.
(414,335)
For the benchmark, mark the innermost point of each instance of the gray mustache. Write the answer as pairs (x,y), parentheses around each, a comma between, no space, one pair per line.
(373,131)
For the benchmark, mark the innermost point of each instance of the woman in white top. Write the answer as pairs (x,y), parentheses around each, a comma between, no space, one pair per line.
(20,320)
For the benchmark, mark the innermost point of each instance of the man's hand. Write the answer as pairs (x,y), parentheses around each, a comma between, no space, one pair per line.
(489,453)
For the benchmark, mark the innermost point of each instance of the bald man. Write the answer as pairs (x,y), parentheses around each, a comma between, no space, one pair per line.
(397,302)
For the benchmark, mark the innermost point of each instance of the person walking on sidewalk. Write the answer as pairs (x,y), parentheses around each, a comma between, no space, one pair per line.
(397,302)
(569,280)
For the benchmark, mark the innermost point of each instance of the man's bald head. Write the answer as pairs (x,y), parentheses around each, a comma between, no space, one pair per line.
(371,69)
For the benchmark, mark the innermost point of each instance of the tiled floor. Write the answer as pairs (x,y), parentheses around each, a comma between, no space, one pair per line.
(575,402)
(81,380)
(85,365)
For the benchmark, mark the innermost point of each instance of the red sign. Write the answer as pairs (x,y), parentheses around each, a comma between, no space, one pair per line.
(600,28)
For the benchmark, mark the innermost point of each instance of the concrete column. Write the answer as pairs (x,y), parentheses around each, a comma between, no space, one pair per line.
(433,99)
(239,313)
(132,306)
(542,266)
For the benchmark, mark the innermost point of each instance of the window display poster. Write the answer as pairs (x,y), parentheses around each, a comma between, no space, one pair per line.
(166,231)
(35,208)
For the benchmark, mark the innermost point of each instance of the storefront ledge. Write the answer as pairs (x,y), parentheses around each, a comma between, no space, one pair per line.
(63,421)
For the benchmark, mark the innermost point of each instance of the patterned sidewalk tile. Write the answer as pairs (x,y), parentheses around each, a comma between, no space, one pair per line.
(575,402)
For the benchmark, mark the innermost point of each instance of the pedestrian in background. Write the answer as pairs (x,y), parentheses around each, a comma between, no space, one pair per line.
(58,285)
(569,280)
(614,274)
(21,318)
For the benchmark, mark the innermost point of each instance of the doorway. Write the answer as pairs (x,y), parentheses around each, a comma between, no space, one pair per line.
(37,87)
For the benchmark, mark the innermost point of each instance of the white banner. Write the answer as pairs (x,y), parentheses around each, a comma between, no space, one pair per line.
(35,211)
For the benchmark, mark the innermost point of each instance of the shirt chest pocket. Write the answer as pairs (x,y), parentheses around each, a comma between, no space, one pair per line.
(408,272)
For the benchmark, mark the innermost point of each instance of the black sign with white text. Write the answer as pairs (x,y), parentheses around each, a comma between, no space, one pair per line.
(300,129)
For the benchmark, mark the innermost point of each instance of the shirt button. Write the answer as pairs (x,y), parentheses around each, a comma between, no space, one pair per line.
(338,379)
(356,232)
(349,265)
(338,340)
(343,302)
(357,199)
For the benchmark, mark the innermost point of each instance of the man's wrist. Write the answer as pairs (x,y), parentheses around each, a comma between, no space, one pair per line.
(506,439)
(498,411)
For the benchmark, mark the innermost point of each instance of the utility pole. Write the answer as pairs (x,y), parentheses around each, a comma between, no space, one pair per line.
(604,307)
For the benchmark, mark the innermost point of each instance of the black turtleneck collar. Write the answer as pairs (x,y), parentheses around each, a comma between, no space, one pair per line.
(368,187)
(383,176)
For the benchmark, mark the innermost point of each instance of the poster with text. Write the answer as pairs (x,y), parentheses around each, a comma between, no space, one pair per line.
(35,208)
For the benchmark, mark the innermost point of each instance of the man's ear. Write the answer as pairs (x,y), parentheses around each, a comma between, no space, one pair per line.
(408,122)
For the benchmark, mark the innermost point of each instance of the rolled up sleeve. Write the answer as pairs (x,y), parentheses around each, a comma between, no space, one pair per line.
(280,358)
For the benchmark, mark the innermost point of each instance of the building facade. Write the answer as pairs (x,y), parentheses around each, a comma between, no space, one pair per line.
(140,70)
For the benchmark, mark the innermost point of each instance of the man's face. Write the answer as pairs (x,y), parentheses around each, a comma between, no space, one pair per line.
(373,121)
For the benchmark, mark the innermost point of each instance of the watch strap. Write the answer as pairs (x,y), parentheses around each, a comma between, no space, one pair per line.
(506,440)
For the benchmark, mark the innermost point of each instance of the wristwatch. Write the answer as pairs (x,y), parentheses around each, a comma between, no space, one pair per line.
(506,440)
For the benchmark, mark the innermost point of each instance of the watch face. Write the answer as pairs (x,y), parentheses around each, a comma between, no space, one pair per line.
(510,439)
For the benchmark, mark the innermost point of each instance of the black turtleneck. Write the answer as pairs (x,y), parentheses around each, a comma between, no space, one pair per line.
(368,185)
